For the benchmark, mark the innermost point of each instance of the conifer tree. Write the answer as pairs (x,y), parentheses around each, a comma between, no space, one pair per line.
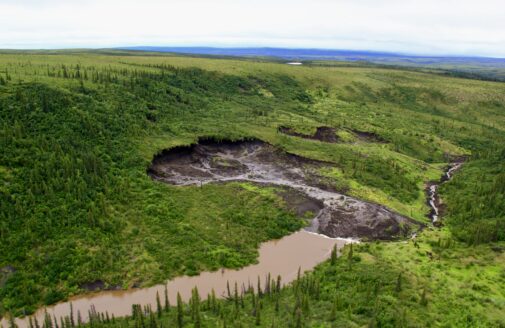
(167,302)
(180,311)
(48,323)
(334,255)
(260,292)
(159,309)
(72,322)
(349,256)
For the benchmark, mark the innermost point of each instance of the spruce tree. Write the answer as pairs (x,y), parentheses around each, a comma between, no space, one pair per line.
(180,311)
(159,309)
(349,257)
(72,322)
(167,302)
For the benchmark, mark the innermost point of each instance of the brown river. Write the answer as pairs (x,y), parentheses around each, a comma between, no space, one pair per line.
(282,257)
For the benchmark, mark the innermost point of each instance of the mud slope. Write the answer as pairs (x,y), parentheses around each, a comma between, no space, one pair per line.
(258,162)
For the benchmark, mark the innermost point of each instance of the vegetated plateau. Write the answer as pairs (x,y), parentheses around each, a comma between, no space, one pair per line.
(79,132)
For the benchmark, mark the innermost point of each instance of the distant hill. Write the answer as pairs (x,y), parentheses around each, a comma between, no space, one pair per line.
(472,67)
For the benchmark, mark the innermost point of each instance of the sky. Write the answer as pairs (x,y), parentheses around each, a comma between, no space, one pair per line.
(424,27)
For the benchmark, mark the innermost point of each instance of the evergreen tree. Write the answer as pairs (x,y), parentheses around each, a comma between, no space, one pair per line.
(350,256)
(72,322)
(159,309)
(334,255)
(48,323)
(180,311)
(167,302)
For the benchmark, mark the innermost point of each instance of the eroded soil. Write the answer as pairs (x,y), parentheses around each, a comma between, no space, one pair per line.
(368,136)
(329,135)
(303,189)
(323,133)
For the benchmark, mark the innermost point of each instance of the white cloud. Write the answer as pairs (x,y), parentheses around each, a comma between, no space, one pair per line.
(429,26)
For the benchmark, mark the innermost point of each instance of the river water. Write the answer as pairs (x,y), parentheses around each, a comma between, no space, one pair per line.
(282,257)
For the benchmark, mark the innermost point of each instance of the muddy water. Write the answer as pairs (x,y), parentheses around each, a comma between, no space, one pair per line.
(258,162)
(280,257)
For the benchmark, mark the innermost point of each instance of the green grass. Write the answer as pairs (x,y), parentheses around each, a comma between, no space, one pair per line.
(79,129)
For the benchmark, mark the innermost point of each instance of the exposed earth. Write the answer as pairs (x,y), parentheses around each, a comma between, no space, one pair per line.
(301,186)
(323,133)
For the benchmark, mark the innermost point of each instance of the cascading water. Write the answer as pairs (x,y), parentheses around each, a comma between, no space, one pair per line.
(433,197)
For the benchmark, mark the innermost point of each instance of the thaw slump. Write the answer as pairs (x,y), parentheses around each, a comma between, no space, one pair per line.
(341,216)
(207,162)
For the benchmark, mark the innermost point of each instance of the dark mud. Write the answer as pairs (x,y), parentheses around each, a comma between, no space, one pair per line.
(299,203)
(328,134)
(98,285)
(303,188)
(323,134)
(368,136)
(437,208)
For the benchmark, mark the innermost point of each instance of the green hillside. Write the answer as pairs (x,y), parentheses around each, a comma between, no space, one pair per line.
(78,131)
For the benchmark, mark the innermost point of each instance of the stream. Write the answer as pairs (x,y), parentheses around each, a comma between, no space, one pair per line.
(432,190)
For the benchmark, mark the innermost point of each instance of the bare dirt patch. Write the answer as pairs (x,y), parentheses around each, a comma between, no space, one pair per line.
(367,136)
(323,134)
(303,188)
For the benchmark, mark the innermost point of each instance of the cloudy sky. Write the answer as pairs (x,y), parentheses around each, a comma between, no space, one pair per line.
(462,27)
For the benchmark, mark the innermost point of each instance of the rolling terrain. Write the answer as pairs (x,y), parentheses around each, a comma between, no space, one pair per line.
(469,67)
(79,206)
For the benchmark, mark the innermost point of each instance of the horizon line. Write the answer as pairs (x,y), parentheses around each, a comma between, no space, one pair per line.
(159,47)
